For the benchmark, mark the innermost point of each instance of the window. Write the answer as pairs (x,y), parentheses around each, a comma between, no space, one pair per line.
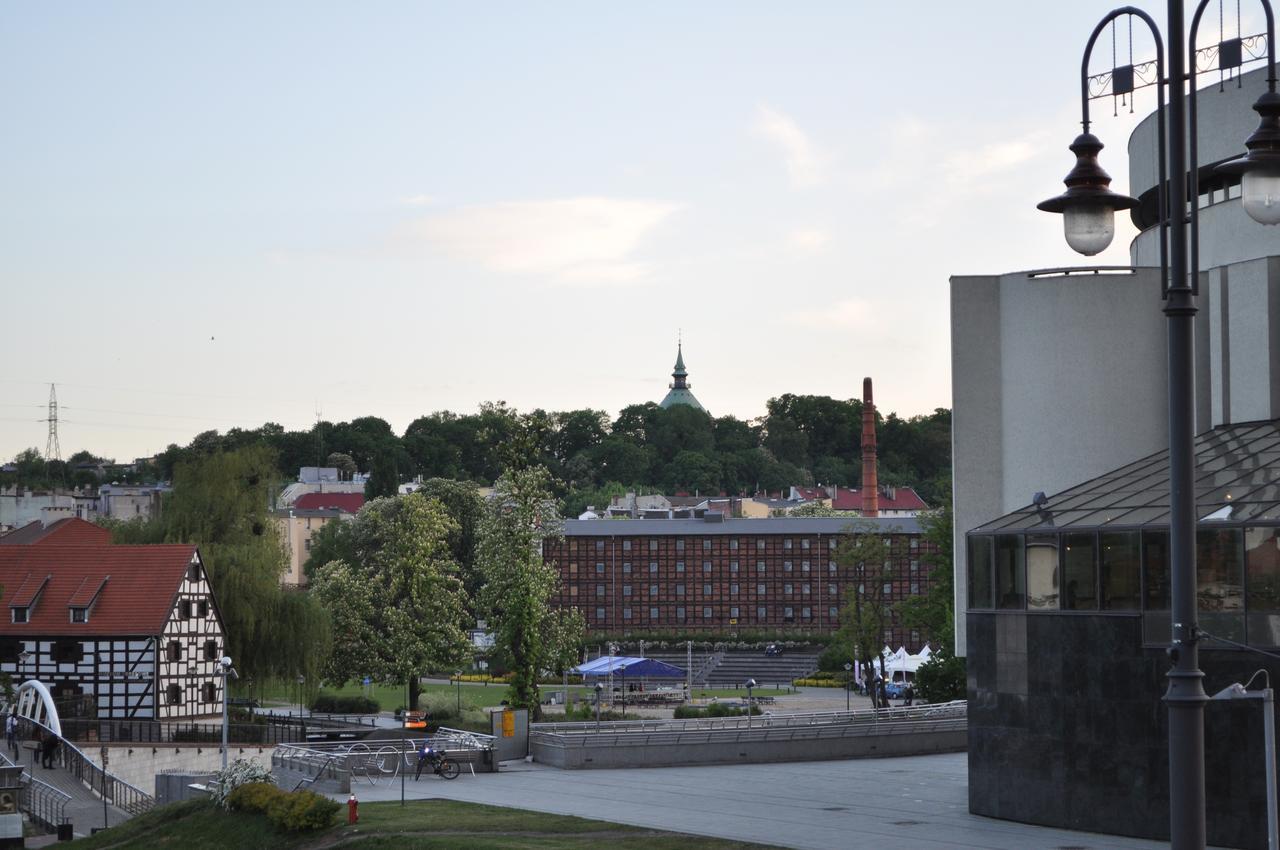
(1010,580)
(1262,599)
(706,613)
(832,612)
(804,589)
(759,544)
(915,588)
(680,613)
(759,566)
(832,589)
(831,543)
(887,590)
(831,567)
(679,545)
(1119,566)
(806,613)
(599,567)
(599,590)
(599,545)
(573,568)
(306,544)
(626,613)
(573,590)
(626,590)
(1220,582)
(679,590)
(208,692)
(733,566)
(173,651)
(202,608)
(20,614)
(786,590)
(679,566)
(762,612)
(706,590)
(915,542)
(706,544)
(706,566)
(626,566)
(653,613)
(915,566)
(599,615)
(573,546)
(804,566)
(626,546)
(733,590)
(653,590)
(786,544)
(760,590)
(184,609)
(1042,572)
(193,572)
(786,566)
(979,573)
(788,613)
(1080,572)
(173,695)
(653,566)
(67,652)
(733,612)
(733,544)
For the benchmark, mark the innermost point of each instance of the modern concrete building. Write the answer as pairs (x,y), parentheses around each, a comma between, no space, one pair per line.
(1060,436)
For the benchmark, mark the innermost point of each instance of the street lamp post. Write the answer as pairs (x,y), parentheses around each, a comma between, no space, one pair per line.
(227,672)
(848,684)
(751,683)
(599,691)
(458,679)
(1088,208)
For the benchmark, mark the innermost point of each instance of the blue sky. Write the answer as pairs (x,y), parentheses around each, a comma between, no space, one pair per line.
(225,214)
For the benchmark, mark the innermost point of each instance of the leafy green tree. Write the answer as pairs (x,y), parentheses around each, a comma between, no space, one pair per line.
(384,480)
(462,501)
(865,556)
(531,635)
(933,612)
(398,606)
(344,463)
(941,678)
(693,472)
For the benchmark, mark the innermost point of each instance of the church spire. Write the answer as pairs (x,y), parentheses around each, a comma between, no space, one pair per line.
(680,393)
(680,372)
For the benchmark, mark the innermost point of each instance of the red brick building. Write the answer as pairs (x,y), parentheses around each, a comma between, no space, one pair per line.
(724,574)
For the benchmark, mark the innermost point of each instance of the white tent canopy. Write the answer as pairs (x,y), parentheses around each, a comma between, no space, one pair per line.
(897,665)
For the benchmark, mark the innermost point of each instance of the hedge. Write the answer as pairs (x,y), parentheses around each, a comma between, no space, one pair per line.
(326,703)
(288,811)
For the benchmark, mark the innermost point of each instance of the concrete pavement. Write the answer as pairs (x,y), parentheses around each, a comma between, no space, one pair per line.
(918,802)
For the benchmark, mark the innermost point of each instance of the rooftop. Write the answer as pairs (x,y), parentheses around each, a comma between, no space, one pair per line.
(775,525)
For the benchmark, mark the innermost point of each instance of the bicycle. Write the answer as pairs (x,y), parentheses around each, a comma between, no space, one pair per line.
(441,765)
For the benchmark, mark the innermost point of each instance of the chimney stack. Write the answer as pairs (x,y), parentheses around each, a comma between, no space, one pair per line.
(870,483)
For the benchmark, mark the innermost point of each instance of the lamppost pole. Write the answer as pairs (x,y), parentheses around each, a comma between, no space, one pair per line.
(228,673)
(1088,207)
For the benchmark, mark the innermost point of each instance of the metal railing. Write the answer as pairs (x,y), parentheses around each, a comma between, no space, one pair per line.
(942,717)
(42,803)
(119,793)
(179,732)
(375,761)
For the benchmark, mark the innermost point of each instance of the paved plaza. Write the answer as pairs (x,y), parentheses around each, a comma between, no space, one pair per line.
(915,802)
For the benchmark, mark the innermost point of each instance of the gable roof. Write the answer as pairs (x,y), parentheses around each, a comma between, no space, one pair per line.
(69,531)
(347,502)
(135,587)
(903,499)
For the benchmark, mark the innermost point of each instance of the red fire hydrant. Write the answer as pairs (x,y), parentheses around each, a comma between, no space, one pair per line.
(353,809)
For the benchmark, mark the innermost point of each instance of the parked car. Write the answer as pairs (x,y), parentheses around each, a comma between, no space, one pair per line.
(895,690)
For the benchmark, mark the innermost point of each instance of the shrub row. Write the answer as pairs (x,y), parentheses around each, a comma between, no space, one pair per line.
(326,703)
(716,709)
(288,811)
(815,682)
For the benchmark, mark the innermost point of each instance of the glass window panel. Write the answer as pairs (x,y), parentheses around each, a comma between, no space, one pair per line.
(1079,571)
(979,569)
(1262,564)
(1120,557)
(1220,582)
(1010,580)
(1042,572)
(1155,580)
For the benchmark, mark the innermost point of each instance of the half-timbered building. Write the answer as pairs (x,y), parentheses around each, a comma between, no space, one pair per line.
(114,632)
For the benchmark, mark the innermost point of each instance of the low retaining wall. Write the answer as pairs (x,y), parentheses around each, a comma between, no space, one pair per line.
(141,763)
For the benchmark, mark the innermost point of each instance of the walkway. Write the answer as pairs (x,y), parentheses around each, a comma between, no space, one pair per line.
(919,802)
(84,809)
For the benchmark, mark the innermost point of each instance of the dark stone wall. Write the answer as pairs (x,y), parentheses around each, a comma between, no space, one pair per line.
(1067,728)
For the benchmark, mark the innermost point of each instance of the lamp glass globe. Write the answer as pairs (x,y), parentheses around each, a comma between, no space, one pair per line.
(1089,228)
(1260,194)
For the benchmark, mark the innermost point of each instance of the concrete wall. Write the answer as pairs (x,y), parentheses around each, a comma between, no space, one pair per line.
(139,764)
(1055,380)
(610,753)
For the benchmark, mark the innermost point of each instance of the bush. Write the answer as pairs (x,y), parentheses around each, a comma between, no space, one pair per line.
(239,772)
(326,703)
(254,797)
(941,678)
(302,811)
(834,658)
(716,709)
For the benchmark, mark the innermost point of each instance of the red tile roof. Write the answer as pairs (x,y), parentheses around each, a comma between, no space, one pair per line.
(349,502)
(68,531)
(904,499)
(143,584)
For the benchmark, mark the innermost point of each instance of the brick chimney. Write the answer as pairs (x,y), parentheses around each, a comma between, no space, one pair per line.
(870,483)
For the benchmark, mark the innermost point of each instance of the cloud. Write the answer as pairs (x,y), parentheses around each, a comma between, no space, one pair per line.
(588,239)
(420,200)
(848,314)
(804,162)
(807,240)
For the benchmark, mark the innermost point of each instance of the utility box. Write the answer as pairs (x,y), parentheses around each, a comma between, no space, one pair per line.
(10,817)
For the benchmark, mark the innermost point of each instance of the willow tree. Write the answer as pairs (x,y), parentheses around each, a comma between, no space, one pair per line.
(518,586)
(220,503)
(396,597)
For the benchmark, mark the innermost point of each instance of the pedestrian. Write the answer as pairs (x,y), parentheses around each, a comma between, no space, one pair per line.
(11,733)
(48,748)
(908,695)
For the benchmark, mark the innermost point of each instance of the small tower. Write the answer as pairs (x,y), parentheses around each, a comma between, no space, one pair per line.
(870,484)
(680,392)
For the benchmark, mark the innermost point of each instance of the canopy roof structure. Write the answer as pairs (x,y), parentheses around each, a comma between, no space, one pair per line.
(627,665)
(1237,470)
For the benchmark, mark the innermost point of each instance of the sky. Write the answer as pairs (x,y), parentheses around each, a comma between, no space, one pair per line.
(219,215)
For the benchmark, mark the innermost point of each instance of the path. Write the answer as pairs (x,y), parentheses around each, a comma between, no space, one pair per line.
(84,810)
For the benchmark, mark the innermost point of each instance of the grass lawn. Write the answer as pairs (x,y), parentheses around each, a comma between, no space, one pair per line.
(422,824)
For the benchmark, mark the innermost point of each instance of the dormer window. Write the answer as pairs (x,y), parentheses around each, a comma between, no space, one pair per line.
(20,614)
(79,615)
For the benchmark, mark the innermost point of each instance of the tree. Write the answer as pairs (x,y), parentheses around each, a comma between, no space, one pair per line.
(933,612)
(519,586)
(344,463)
(384,480)
(398,606)
(462,501)
(865,555)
